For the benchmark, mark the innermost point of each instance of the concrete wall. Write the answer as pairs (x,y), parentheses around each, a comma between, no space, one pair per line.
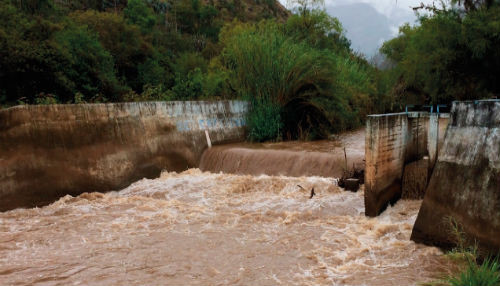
(465,183)
(437,129)
(49,151)
(392,141)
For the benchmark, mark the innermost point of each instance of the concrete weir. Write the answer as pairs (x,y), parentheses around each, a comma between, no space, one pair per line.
(393,142)
(48,151)
(465,184)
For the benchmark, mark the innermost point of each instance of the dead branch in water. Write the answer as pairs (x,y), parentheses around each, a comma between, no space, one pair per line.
(312,191)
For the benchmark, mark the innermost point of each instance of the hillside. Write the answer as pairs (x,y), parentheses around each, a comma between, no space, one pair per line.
(250,10)
(297,70)
(244,10)
(103,50)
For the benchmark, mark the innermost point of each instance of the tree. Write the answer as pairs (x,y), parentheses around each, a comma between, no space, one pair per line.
(467,5)
(124,41)
(450,56)
(319,29)
(137,12)
(90,68)
(305,6)
(30,60)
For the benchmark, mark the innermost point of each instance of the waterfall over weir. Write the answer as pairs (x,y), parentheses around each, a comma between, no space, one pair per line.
(324,158)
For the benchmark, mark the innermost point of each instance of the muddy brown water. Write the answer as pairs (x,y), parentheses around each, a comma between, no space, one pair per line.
(201,228)
(325,158)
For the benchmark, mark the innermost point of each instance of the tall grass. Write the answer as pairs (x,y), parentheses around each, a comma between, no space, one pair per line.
(475,271)
(276,74)
(485,274)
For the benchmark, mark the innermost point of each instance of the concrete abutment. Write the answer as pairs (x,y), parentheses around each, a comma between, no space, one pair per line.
(465,184)
(392,142)
(48,151)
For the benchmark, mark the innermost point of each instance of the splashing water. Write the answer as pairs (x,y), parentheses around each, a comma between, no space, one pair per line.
(197,228)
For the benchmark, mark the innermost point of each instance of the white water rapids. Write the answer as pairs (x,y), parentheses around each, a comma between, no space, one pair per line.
(197,228)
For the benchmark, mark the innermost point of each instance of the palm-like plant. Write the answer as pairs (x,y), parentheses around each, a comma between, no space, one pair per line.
(275,73)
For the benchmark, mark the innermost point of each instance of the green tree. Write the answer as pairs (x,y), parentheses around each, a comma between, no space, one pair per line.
(139,13)
(35,6)
(319,29)
(152,72)
(90,68)
(450,56)
(131,50)
(29,60)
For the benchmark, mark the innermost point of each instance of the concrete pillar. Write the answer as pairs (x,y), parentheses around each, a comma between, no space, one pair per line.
(384,154)
(433,138)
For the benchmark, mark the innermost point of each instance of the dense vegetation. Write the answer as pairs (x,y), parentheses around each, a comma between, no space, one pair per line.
(297,69)
(452,55)
(301,84)
(95,51)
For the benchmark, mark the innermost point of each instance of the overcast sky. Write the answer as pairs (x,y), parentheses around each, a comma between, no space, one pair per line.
(369,23)
(386,7)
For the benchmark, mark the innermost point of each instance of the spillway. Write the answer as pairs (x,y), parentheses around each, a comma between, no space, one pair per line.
(325,158)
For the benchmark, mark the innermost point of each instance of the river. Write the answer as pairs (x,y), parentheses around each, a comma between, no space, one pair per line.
(201,228)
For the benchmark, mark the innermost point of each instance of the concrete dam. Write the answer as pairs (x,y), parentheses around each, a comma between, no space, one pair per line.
(48,151)
(451,161)
(130,194)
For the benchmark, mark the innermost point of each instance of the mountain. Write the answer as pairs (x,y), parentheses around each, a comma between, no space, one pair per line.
(366,27)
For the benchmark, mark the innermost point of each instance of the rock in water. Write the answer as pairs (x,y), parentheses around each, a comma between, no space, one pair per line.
(352,185)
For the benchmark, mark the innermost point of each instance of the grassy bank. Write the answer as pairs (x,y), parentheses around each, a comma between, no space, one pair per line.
(474,268)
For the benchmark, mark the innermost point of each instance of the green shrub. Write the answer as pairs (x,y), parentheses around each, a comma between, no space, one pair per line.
(79,98)
(188,87)
(264,122)
(150,93)
(271,69)
(43,98)
(475,272)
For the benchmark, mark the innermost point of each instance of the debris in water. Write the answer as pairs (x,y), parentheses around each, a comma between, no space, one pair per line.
(312,193)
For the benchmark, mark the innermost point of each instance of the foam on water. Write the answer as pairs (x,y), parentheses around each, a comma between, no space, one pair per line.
(197,228)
